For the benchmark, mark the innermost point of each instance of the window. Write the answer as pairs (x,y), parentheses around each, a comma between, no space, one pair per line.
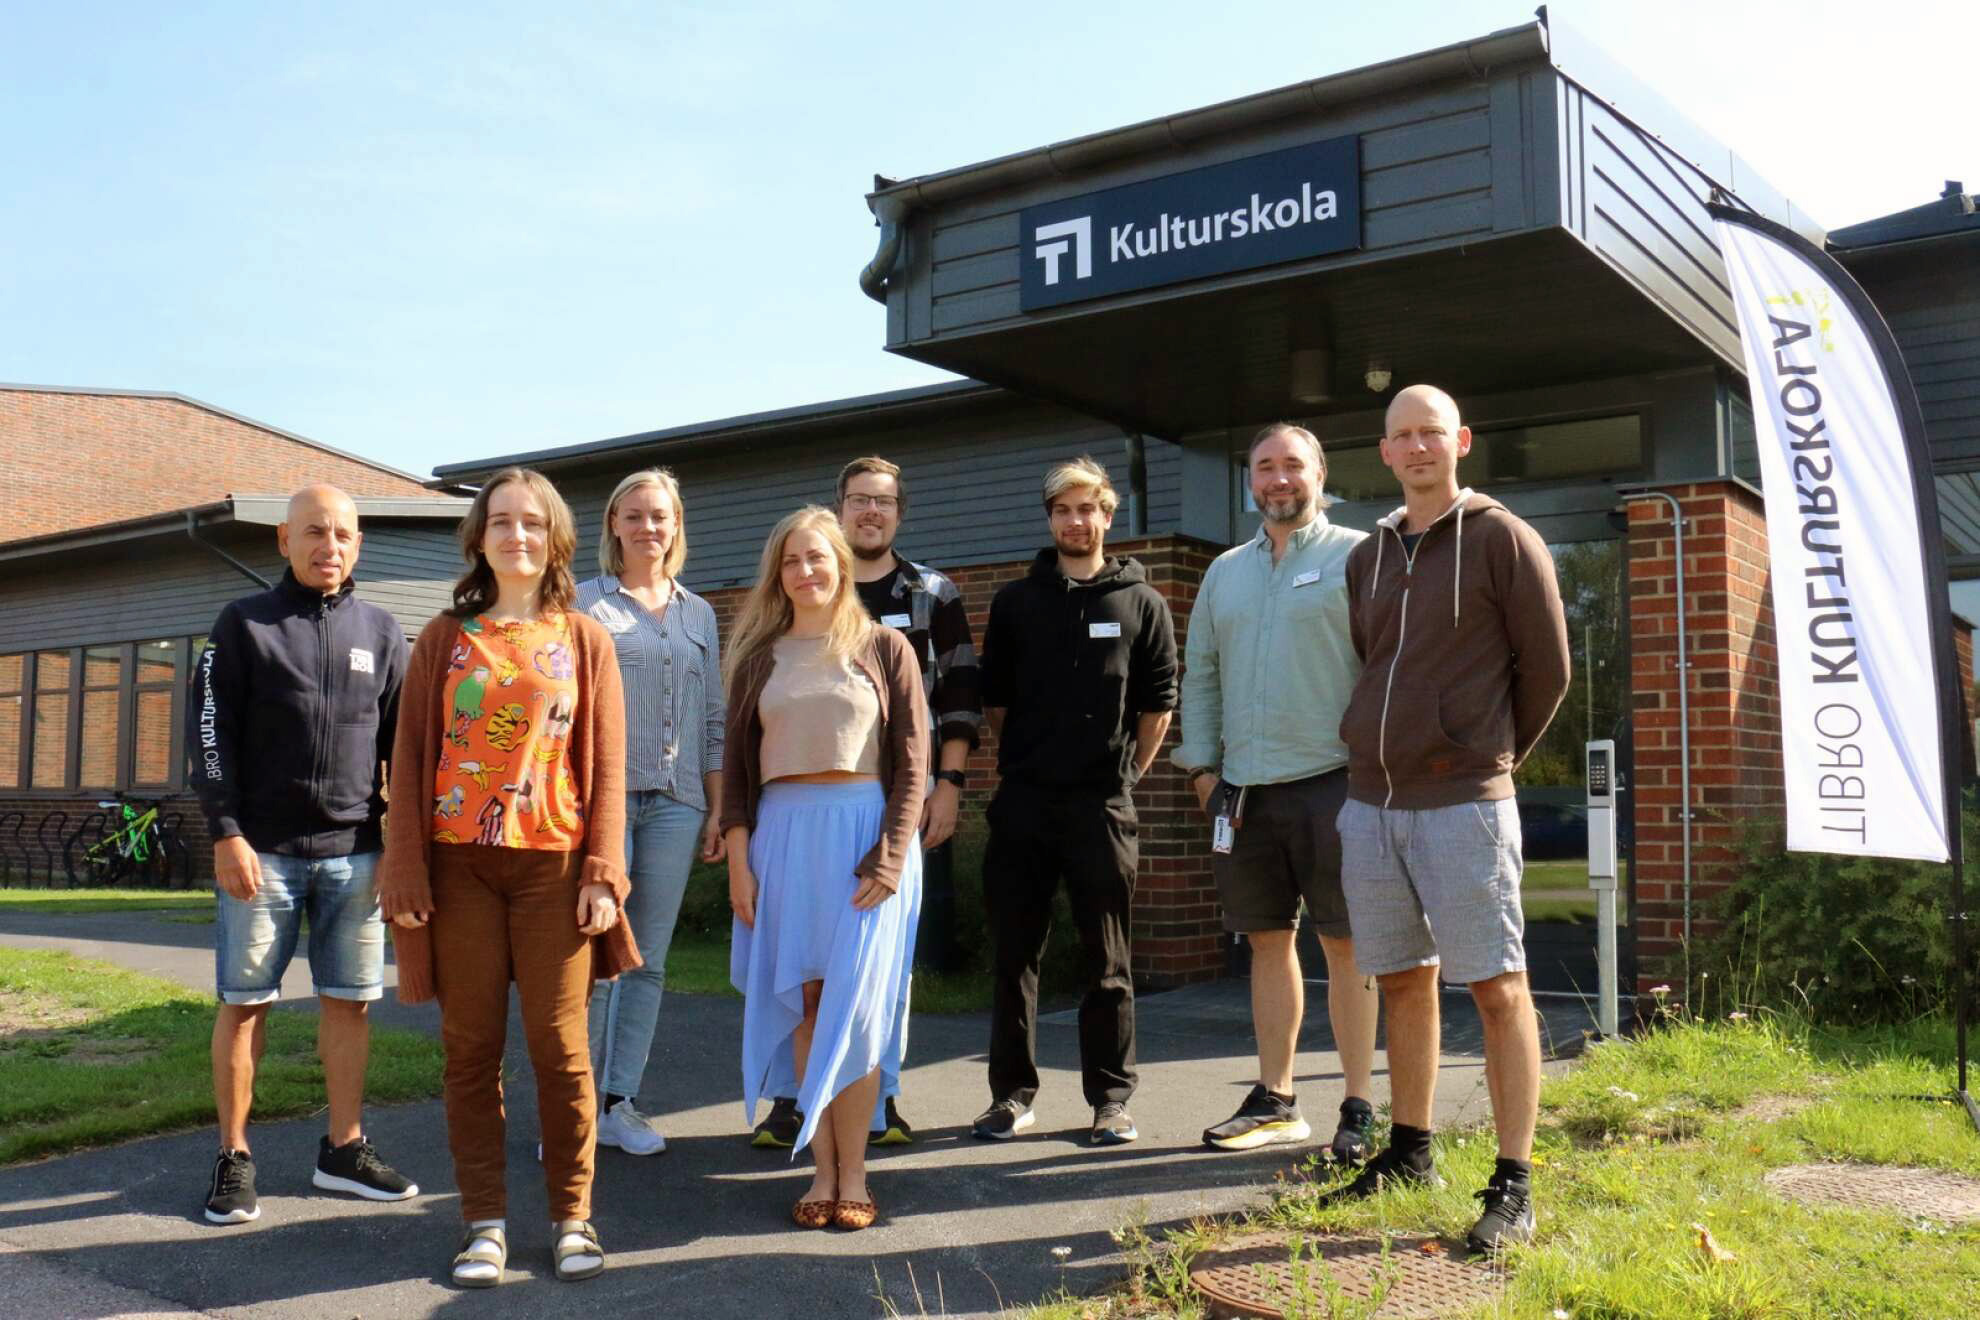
(52,672)
(156,683)
(95,718)
(13,675)
(1601,447)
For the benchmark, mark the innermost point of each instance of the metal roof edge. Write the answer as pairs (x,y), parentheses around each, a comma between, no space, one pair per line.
(243,419)
(251,510)
(1471,58)
(802,415)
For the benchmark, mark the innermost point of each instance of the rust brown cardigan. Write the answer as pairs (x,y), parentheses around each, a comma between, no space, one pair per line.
(597,761)
(889,664)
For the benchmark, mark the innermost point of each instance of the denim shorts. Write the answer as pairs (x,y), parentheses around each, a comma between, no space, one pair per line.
(1437,885)
(256,939)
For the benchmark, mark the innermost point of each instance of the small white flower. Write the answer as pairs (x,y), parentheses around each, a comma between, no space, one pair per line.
(1735,1017)
(1062,1254)
(1660,989)
(1559,1314)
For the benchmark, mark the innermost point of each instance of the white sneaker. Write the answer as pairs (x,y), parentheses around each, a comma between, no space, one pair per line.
(629,1130)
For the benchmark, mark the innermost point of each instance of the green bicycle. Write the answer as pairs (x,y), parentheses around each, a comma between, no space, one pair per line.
(128,842)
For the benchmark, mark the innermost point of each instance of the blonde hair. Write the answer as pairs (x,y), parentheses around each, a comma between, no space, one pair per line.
(612,555)
(767,612)
(1077,474)
(476,590)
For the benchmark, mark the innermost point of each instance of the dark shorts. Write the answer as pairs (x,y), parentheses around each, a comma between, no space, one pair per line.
(1287,848)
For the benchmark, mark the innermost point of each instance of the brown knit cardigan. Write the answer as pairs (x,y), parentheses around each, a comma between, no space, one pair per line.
(597,760)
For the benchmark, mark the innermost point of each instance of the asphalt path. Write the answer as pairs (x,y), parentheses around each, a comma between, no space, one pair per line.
(969,1227)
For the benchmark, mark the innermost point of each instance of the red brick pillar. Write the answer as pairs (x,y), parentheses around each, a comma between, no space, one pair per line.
(1734,706)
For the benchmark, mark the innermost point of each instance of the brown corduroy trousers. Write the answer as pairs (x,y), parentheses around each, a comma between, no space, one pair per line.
(502,915)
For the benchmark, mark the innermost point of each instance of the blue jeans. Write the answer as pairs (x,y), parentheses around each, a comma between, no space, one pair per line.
(256,939)
(662,836)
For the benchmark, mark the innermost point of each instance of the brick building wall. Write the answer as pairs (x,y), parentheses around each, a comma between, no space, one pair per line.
(1176,925)
(166,453)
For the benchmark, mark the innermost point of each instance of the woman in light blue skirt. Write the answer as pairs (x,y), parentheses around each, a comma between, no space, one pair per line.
(823,777)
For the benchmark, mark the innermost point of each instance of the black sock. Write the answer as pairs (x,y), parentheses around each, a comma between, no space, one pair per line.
(1289,1099)
(1513,1173)
(1411,1143)
(611,1100)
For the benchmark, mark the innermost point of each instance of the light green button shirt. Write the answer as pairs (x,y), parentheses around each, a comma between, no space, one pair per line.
(1269,665)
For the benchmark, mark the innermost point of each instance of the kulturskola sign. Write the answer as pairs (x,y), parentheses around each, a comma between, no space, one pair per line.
(1282,206)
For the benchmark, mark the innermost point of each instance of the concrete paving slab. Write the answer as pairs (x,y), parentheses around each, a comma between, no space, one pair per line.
(969,1226)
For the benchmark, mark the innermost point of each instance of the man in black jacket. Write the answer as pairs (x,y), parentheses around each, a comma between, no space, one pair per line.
(1079,682)
(293,707)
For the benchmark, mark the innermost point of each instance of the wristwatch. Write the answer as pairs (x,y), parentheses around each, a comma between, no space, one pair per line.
(951,777)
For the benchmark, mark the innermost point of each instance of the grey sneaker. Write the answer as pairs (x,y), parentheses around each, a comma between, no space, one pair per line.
(1003,1120)
(1508,1217)
(1112,1126)
(1263,1119)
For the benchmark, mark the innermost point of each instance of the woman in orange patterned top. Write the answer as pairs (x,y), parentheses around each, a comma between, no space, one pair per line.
(506,858)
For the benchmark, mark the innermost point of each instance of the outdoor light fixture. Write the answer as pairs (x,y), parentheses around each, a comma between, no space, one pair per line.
(1378,378)
(1311,368)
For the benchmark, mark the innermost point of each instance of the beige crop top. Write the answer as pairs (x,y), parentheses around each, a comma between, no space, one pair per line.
(819,713)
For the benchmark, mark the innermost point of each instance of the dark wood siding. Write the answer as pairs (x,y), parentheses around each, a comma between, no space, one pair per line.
(973,489)
(409,570)
(1644,212)
(1440,167)
(1930,294)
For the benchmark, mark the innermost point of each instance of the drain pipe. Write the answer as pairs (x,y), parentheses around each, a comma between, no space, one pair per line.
(1684,705)
(192,530)
(890,214)
(1137,460)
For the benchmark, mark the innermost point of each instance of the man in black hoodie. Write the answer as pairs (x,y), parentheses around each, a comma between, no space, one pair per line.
(293,707)
(1079,683)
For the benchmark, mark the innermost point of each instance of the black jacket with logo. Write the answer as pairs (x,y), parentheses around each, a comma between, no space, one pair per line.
(294,704)
(1074,665)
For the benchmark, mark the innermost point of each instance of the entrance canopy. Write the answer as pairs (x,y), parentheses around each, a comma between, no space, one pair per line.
(1473,214)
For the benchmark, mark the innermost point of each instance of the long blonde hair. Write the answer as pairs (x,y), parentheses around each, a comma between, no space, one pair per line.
(767,613)
(612,555)
(476,590)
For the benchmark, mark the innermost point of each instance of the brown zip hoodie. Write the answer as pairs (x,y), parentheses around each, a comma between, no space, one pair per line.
(1465,654)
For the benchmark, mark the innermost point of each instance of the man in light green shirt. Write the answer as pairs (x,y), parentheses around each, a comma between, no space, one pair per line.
(1268,672)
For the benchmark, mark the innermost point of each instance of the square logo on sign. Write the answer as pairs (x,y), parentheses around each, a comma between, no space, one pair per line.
(1055,240)
(361,661)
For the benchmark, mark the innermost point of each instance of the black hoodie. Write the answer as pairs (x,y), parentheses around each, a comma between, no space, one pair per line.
(294,703)
(1075,664)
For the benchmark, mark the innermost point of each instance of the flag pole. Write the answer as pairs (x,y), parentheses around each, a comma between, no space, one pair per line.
(1925,498)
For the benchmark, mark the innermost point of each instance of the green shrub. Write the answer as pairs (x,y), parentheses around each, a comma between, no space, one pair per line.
(1858,939)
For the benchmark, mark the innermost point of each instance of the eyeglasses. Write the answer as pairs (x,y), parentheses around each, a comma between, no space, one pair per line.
(861,503)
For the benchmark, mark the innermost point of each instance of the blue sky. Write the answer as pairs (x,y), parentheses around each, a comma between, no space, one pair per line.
(438,231)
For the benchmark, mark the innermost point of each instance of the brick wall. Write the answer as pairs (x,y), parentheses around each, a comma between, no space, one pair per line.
(165,453)
(1734,698)
(1176,925)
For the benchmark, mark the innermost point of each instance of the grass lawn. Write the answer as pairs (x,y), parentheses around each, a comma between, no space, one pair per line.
(1644,1139)
(92,1054)
(59,902)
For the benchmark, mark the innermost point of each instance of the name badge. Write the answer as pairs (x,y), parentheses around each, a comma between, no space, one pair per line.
(1222,836)
(1307,579)
(361,661)
(902,621)
(1103,630)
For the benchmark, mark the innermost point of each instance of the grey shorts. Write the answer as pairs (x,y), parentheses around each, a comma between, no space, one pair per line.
(1436,885)
(1286,849)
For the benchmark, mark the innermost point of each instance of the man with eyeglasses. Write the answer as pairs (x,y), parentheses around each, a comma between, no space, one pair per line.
(928,609)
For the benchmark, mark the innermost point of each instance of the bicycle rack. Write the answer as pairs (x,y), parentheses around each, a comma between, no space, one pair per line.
(76,846)
(49,851)
(15,819)
(174,851)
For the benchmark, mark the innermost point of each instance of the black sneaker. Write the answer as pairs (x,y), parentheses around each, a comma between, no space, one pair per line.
(355,1167)
(1354,1139)
(1262,1120)
(1003,1120)
(896,1133)
(1112,1126)
(1508,1217)
(1388,1169)
(232,1199)
(779,1129)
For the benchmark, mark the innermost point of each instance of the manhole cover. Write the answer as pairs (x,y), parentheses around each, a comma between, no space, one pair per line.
(1253,1276)
(1926,1193)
